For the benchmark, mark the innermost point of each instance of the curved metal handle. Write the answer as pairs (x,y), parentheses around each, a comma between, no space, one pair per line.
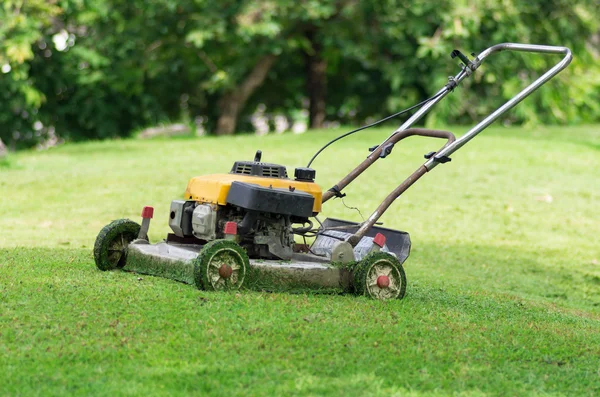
(454,145)
(376,155)
(408,182)
(467,71)
(544,49)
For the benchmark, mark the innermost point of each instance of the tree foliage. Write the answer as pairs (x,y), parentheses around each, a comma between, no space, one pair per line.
(23,24)
(90,69)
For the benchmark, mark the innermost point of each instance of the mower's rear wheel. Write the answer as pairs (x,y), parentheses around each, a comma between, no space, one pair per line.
(380,276)
(110,249)
(221,265)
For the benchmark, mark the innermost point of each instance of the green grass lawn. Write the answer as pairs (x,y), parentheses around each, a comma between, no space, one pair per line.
(503,290)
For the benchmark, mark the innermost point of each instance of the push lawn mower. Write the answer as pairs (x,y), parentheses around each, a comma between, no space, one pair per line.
(241,229)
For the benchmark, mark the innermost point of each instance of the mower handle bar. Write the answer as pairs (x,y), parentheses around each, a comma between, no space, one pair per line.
(452,145)
(483,124)
(379,151)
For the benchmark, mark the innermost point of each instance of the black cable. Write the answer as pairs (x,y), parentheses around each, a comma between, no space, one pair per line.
(353,208)
(302,230)
(309,248)
(375,123)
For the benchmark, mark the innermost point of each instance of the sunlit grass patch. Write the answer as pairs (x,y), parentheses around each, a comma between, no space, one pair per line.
(503,283)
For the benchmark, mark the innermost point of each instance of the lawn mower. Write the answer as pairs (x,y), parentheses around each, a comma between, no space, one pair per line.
(249,228)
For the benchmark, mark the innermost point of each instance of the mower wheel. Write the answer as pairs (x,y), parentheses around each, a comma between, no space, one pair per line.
(221,265)
(110,249)
(380,276)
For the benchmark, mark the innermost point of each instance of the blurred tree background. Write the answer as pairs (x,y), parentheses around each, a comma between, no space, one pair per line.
(93,69)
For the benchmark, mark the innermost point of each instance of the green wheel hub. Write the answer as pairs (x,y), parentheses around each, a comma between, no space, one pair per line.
(380,276)
(221,265)
(110,249)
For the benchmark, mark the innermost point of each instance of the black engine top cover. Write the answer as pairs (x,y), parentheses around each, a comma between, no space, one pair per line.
(268,199)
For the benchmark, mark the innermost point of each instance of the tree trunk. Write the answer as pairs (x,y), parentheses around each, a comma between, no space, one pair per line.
(232,102)
(3,149)
(316,82)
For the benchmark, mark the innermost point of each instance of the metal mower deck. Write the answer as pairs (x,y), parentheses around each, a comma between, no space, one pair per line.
(175,261)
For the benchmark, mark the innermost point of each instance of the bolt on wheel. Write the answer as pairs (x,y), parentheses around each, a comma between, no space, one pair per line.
(380,276)
(221,265)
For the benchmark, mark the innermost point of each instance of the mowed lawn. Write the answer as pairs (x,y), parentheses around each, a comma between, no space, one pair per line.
(503,290)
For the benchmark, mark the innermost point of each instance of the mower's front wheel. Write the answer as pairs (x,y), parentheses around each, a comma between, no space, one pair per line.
(380,276)
(221,265)
(110,249)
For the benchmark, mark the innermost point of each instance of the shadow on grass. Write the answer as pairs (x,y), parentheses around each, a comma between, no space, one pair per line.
(542,276)
(548,275)
(109,331)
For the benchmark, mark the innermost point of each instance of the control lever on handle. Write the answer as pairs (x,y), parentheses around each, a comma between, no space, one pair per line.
(463,57)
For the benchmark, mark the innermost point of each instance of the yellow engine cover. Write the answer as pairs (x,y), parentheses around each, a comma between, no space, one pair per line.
(214,188)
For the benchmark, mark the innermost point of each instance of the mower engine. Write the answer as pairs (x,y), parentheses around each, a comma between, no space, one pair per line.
(256,200)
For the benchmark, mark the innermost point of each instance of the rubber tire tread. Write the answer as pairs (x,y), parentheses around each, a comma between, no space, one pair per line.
(106,236)
(360,272)
(201,261)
